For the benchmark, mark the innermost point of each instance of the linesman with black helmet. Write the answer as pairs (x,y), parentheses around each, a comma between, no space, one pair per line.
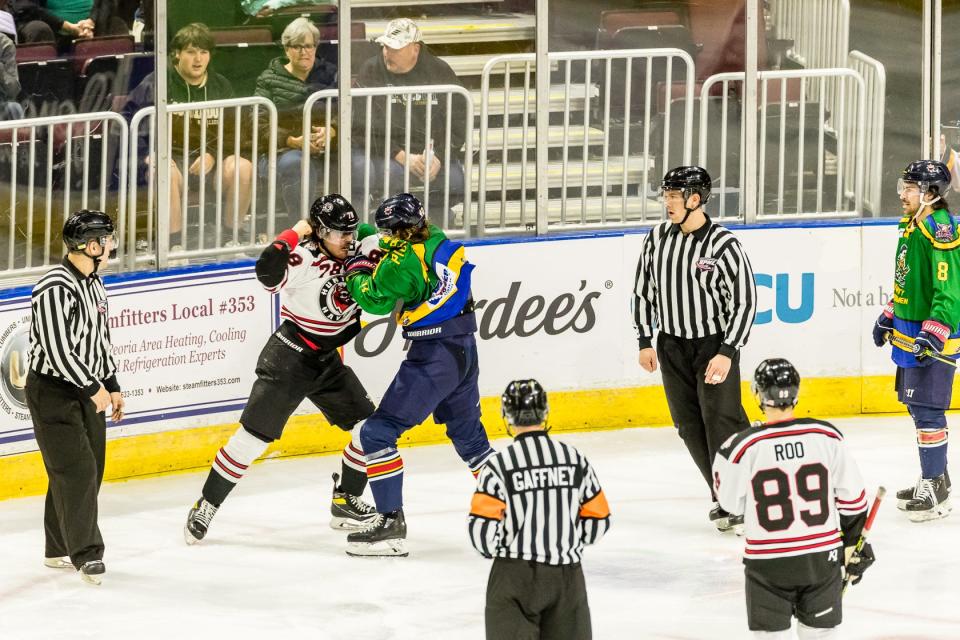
(537,503)
(71,382)
(695,285)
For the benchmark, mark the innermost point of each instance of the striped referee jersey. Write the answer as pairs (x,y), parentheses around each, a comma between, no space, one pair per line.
(539,500)
(69,334)
(694,285)
(796,485)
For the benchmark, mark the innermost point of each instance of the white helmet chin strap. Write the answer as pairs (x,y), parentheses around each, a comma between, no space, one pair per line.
(924,204)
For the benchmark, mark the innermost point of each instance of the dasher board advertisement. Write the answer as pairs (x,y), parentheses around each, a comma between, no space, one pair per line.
(184,345)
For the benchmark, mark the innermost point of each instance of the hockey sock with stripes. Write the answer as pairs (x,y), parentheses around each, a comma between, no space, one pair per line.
(476,463)
(353,477)
(231,463)
(932,444)
(385,473)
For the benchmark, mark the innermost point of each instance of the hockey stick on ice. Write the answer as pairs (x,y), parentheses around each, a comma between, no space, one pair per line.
(908,344)
(863,534)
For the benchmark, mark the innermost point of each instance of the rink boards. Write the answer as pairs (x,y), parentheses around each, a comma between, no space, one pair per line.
(557,309)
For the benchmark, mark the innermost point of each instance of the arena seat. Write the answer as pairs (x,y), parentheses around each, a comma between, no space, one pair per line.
(46,81)
(719,27)
(36,52)
(243,63)
(88,48)
(613,21)
(238,35)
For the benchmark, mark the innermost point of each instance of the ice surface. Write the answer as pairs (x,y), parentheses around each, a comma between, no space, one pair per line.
(272,568)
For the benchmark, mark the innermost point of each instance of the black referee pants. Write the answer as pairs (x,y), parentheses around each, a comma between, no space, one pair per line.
(72,437)
(705,414)
(529,600)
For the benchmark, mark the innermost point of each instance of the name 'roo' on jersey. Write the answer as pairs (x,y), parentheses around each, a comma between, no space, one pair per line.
(313,293)
(796,486)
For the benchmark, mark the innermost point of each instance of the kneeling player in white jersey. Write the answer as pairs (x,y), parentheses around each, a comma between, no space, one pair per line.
(804,507)
(301,360)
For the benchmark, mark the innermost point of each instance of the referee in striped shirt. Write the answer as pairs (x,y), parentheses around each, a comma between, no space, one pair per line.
(695,284)
(71,382)
(538,502)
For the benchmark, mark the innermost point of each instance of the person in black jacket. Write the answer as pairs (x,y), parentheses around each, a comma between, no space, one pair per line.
(39,22)
(404,61)
(190,80)
(287,82)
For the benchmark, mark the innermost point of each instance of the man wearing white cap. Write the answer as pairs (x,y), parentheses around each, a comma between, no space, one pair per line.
(405,61)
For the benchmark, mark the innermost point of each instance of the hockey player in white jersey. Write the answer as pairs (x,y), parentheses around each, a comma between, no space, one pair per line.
(804,507)
(300,360)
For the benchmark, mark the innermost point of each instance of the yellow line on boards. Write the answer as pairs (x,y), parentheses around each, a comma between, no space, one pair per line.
(174,451)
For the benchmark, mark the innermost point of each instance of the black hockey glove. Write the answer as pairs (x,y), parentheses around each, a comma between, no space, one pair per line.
(933,335)
(883,325)
(359,264)
(857,564)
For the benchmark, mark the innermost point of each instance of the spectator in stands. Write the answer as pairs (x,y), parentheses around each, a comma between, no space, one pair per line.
(263,8)
(405,61)
(287,82)
(10,109)
(7,26)
(190,80)
(64,20)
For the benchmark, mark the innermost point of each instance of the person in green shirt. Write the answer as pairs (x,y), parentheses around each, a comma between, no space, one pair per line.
(921,322)
(429,277)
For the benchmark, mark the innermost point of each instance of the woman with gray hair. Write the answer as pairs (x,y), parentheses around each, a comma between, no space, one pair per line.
(287,82)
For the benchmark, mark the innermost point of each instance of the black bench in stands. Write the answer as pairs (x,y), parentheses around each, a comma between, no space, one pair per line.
(45,85)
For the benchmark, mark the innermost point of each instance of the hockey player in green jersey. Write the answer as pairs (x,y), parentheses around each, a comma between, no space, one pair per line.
(430,276)
(924,314)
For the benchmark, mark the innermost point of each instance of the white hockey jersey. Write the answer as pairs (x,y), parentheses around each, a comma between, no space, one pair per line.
(792,481)
(313,293)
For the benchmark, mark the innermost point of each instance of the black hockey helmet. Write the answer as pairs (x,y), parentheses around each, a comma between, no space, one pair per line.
(524,404)
(929,175)
(85,225)
(332,212)
(402,211)
(688,180)
(776,383)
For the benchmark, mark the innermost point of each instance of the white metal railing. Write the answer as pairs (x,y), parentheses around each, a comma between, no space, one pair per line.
(838,151)
(875,80)
(596,174)
(599,175)
(62,150)
(432,102)
(327,97)
(243,116)
(820,30)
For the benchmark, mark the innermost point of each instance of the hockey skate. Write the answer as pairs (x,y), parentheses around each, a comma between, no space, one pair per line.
(736,523)
(349,512)
(58,563)
(931,501)
(198,521)
(92,572)
(906,495)
(385,536)
(720,518)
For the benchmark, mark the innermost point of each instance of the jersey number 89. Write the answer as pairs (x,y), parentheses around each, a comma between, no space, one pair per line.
(775,510)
